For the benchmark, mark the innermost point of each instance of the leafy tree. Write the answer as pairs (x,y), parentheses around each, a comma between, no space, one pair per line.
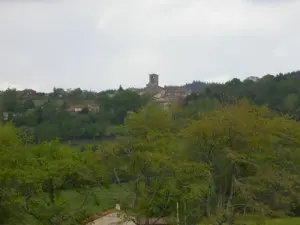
(279,92)
(47,131)
(76,93)
(59,92)
(11,163)
(32,178)
(147,153)
(252,154)
(58,167)
(29,104)
(9,100)
(120,88)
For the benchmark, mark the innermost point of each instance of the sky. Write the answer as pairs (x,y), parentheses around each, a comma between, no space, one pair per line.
(101,44)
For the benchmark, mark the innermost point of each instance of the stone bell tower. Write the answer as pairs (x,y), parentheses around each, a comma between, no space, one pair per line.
(153,80)
(152,86)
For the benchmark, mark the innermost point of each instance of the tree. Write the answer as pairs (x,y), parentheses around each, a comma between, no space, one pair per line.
(76,93)
(147,153)
(279,92)
(58,92)
(120,88)
(252,154)
(29,104)
(46,132)
(32,178)
(9,100)
(11,163)
(58,168)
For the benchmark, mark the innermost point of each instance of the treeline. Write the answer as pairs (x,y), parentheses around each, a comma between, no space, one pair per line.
(281,92)
(48,118)
(227,165)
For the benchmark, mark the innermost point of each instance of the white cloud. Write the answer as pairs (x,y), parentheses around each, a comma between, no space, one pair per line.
(105,43)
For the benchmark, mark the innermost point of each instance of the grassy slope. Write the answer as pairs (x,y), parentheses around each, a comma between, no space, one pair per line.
(59,102)
(286,221)
(105,199)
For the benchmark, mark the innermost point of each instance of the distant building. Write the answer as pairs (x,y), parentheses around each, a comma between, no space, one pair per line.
(164,95)
(80,108)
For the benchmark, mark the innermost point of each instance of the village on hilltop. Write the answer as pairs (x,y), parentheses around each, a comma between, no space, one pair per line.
(163,95)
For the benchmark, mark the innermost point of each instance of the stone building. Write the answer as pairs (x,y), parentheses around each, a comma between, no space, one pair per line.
(118,217)
(164,95)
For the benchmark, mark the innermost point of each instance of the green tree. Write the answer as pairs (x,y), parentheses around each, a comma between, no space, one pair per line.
(32,178)
(11,164)
(29,104)
(47,131)
(252,154)
(149,154)
(57,167)
(291,102)
(9,100)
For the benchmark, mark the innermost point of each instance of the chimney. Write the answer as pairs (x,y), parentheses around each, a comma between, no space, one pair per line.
(118,207)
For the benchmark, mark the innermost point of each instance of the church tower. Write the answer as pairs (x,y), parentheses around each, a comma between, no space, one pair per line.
(153,80)
(152,86)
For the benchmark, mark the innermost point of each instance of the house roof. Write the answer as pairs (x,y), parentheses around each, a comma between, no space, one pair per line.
(152,221)
(99,215)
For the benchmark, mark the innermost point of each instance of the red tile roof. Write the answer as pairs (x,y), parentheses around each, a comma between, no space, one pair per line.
(152,221)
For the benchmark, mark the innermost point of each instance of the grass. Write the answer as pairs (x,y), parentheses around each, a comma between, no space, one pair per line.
(96,201)
(39,102)
(100,199)
(284,221)
(59,102)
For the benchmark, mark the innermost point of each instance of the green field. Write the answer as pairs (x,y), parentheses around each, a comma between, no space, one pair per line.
(285,221)
(59,102)
(100,199)
(288,221)
(97,200)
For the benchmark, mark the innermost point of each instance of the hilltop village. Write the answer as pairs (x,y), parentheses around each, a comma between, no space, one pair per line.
(77,114)
(164,95)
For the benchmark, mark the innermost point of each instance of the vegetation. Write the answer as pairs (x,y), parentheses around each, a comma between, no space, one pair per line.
(231,162)
(280,93)
(48,117)
(223,159)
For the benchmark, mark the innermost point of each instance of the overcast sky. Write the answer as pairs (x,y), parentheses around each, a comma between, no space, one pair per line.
(100,44)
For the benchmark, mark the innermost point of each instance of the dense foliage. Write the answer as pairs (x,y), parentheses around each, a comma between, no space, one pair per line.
(47,117)
(225,164)
(221,158)
(33,176)
(281,93)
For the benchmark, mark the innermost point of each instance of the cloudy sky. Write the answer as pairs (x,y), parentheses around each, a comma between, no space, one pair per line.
(100,44)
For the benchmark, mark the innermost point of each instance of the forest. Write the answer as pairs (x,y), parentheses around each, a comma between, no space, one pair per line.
(46,117)
(228,156)
(280,93)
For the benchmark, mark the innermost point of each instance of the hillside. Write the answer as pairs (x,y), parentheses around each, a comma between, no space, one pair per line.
(280,92)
